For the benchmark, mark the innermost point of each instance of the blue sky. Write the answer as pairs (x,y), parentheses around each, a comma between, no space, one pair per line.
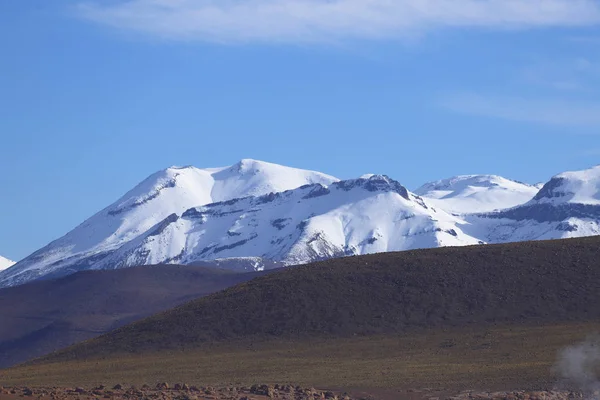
(95,96)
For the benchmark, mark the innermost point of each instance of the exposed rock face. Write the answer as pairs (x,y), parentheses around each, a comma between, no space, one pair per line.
(549,212)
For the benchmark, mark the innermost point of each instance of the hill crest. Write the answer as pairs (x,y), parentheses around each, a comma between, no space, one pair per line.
(391,293)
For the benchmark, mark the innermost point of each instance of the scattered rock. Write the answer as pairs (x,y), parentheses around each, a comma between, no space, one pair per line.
(183,391)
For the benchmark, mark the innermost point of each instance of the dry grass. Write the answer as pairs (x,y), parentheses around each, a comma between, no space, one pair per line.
(456,359)
(484,317)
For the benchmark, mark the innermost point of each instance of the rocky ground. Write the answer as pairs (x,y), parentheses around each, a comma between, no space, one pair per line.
(164,391)
(523,395)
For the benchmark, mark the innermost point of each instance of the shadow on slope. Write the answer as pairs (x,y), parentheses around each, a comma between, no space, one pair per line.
(44,316)
(531,283)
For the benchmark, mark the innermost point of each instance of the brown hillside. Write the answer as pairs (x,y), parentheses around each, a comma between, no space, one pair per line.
(521,283)
(45,316)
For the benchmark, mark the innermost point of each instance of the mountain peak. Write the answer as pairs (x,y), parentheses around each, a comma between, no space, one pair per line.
(179,167)
(582,187)
(461,181)
(5,263)
(374,183)
(312,222)
(250,162)
(465,194)
(251,166)
(259,209)
(168,192)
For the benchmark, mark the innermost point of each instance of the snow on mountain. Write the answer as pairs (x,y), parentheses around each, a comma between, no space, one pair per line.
(575,187)
(566,206)
(5,263)
(310,223)
(255,215)
(171,191)
(469,194)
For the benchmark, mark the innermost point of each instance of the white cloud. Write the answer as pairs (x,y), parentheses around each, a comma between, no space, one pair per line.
(541,111)
(302,21)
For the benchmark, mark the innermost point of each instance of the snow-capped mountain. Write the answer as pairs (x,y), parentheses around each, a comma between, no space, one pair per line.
(5,263)
(469,194)
(573,187)
(171,191)
(256,215)
(567,206)
(310,223)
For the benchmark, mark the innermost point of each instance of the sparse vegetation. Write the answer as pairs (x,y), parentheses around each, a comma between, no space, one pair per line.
(45,316)
(529,283)
(490,358)
(478,317)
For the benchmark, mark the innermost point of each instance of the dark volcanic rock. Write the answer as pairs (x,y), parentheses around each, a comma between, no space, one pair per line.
(545,212)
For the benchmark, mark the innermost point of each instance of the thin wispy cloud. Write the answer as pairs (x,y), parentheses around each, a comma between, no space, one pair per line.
(579,74)
(308,21)
(561,113)
(591,40)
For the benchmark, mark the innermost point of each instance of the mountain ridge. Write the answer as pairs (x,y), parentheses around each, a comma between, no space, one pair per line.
(310,216)
(466,194)
(567,206)
(167,192)
(320,223)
